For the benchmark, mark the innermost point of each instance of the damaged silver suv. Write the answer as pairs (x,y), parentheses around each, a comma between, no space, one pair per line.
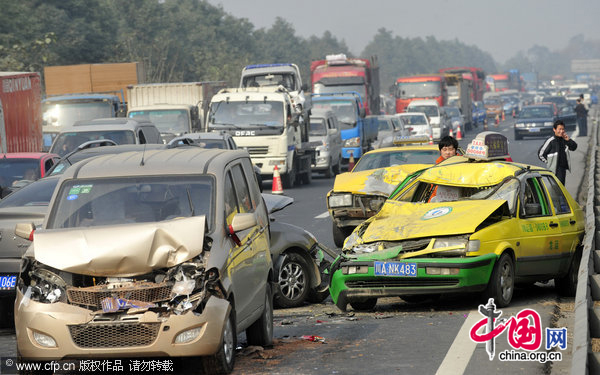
(146,254)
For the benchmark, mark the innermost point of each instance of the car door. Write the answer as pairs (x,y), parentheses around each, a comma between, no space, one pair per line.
(539,231)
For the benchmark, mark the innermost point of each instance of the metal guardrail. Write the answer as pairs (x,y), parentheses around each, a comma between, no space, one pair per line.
(586,335)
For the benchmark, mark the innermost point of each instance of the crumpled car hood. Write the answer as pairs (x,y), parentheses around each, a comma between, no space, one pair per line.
(375,181)
(120,250)
(400,221)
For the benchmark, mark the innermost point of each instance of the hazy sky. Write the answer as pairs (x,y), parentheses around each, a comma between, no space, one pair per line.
(500,27)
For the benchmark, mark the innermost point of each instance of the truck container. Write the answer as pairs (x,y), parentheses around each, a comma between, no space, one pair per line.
(175,108)
(338,73)
(463,83)
(477,77)
(20,112)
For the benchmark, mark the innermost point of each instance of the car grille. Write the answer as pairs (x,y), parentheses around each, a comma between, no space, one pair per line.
(257,150)
(388,282)
(112,335)
(92,297)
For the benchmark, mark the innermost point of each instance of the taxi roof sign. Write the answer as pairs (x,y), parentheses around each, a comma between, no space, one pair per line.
(488,146)
(408,139)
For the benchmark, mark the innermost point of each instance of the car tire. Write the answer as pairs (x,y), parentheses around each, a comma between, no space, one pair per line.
(288,180)
(293,282)
(567,285)
(339,235)
(364,305)
(260,333)
(518,137)
(501,285)
(223,361)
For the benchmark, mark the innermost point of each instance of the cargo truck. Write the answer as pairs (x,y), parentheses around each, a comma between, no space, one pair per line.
(175,108)
(20,112)
(464,95)
(338,73)
(85,92)
(263,121)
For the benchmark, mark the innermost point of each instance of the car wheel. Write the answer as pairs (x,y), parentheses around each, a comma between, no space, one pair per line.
(339,235)
(567,285)
(518,137)
(329,171)
(260,333)
(222,362)
(364,305)
(306,177)
(293,283)
(501,285)
(289,179)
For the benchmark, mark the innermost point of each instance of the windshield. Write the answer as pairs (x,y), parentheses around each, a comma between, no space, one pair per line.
(211,143)
(414,119)
(345,111)
(265,80)
(67,142)
(407,90)
(35,194)
(535,112)
(322,89)
(66,114)
(13,170)
(175,121)
(429,110)
(385,125)
(244,114)
(453,111)
(317,126)
(122,200)
(376,160)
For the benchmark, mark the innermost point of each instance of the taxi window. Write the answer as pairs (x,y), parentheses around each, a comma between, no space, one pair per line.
(534,199)
(241,189)
(229,199)
(559,201)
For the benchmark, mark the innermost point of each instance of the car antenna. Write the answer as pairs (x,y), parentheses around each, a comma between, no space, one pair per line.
(143,154)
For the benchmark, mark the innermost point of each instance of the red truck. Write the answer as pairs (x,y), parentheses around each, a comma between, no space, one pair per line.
(411,88)
(20,112)
(498,82)
(337,74)
(476,75)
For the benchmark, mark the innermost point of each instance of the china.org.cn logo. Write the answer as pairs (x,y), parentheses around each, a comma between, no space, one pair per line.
(524,334)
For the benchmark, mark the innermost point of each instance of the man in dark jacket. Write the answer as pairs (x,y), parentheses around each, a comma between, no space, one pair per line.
(555,151)
(581,112)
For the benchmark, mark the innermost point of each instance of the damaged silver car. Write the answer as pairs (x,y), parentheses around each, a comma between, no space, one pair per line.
(147,254)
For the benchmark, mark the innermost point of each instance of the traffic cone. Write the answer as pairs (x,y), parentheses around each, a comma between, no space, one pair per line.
(277,188)
(451,132)
(458,133)
(430,139)
(497,120)
(503,118)
(351,162)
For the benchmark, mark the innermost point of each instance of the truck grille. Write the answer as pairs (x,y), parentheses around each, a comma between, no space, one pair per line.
(114,335)
(257,150)
(388,282)
(92,297)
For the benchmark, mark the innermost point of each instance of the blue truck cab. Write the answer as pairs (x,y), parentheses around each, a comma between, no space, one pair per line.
(358,130)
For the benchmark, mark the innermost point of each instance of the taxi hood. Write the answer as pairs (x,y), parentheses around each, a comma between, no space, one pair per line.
(400,220)
(120,250)
(380,181)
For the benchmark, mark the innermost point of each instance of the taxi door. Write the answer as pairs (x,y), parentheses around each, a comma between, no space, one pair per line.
(540,231)
(567,219)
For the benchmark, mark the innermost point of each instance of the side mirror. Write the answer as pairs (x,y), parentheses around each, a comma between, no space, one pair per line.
(242,222)
(25,230)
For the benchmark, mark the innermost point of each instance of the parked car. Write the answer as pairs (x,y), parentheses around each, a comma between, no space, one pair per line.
(358,195)
(121,130)
(416,123)
(535,120)
(155,245)
(18,169)
(389,126)
(464,226)
(431,109)
(456,118)
(325,130)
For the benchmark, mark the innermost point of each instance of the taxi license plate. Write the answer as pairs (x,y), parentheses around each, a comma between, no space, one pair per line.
(8,282)
(534,130)
(395,269)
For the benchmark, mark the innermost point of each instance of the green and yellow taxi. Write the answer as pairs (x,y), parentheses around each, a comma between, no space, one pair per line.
(473,223)
(359,194)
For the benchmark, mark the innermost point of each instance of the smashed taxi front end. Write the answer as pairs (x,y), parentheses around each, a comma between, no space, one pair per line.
(107,278)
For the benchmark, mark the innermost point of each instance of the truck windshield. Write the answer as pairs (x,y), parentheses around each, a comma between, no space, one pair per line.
(406,90)
(501,84)
(345,110)
(67,142)
(317,127)
(66,114)
(265,80)
(247,113)
(322,89)
(175,121)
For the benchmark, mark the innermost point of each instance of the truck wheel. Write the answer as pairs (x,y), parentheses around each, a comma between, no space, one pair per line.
(293,282)
(289,179)
(339,235)
(501,285)
(306,177)
(365,305)
(222,362)
(567,285)
(261,332)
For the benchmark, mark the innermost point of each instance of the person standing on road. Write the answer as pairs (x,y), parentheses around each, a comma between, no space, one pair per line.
(448,147)
(581,112)
(555,151)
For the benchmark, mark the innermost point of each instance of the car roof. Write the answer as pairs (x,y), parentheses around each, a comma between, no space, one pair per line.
(181,160)
(460,171)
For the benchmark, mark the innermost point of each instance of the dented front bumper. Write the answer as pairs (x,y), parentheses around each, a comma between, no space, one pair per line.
(355,280)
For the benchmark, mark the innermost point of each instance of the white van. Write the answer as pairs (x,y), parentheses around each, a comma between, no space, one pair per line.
(436,116)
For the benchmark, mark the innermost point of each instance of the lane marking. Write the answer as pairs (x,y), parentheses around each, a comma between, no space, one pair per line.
(461,350)
(323,215)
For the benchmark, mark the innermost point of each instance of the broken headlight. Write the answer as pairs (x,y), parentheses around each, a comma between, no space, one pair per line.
(46,286)
(340,200)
